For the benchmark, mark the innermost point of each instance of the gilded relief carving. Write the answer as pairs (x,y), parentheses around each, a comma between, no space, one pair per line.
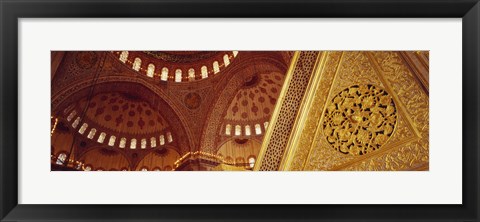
(370,107)
(359,120)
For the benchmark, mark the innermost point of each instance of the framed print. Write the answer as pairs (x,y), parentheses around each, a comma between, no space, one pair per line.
(224,110)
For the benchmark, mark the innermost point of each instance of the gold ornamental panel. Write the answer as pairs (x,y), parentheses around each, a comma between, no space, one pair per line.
(360,119)
(363,111)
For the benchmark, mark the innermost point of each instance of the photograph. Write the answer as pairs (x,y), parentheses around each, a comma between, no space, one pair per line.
(239,110)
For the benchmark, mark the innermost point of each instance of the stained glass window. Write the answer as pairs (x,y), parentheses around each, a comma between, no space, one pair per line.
(178,75)
(101,138)
(228,129)
(204,72)
(111,141)
(248,131)
(191,74)
(238,130)
(162,140)
(258,129)
(123,142)
(164,75)
(133,144)
(92,132)
(226,60)
(136,64)
(150,70)
(216,68)
(83,128)
(153,142)
(124,56)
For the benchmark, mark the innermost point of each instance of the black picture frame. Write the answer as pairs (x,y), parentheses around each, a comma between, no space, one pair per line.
(11,11)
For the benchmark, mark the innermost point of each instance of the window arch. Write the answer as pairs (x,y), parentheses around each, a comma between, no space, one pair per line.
(72,114)
(136,64)
(235,53)
(150,70)
(238,130)
(143,143)
(76,122)
(169,137)
(87,168)
(83,128)
(216,67)
(111,141)
(204,71)
(133,143)
(178,75)
(144,169)
(124,56)
(101,138)
(265,125)
(164,75)
(258,129)
(191,74)
(123,142)
(226,60)
(251,161)
(248,131)
(153,142)
(61,158)
(92,132)
(162,140)
(228,129)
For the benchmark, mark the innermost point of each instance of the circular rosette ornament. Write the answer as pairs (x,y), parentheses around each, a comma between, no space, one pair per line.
(360,119)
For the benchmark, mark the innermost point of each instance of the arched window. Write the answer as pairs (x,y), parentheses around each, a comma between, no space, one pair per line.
(150,70)
(61,158)
(76,122)
(111,141)
(136,64)
(143,143)
(251,162)
(164,75)
(169,137)
(88,168)
(101,138)
(72,114)
(226,60)
(123,142)
(153,142)
(258,129)
(162,139)
(124,56)
(191,74)
(235,53)
(83,128)
(228,129)
(238,130)
(216,67)
(144,169)
(204,72)
(92,132)
(248,131)
(265,125)
(178,75)
(133,143)
(156,169)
